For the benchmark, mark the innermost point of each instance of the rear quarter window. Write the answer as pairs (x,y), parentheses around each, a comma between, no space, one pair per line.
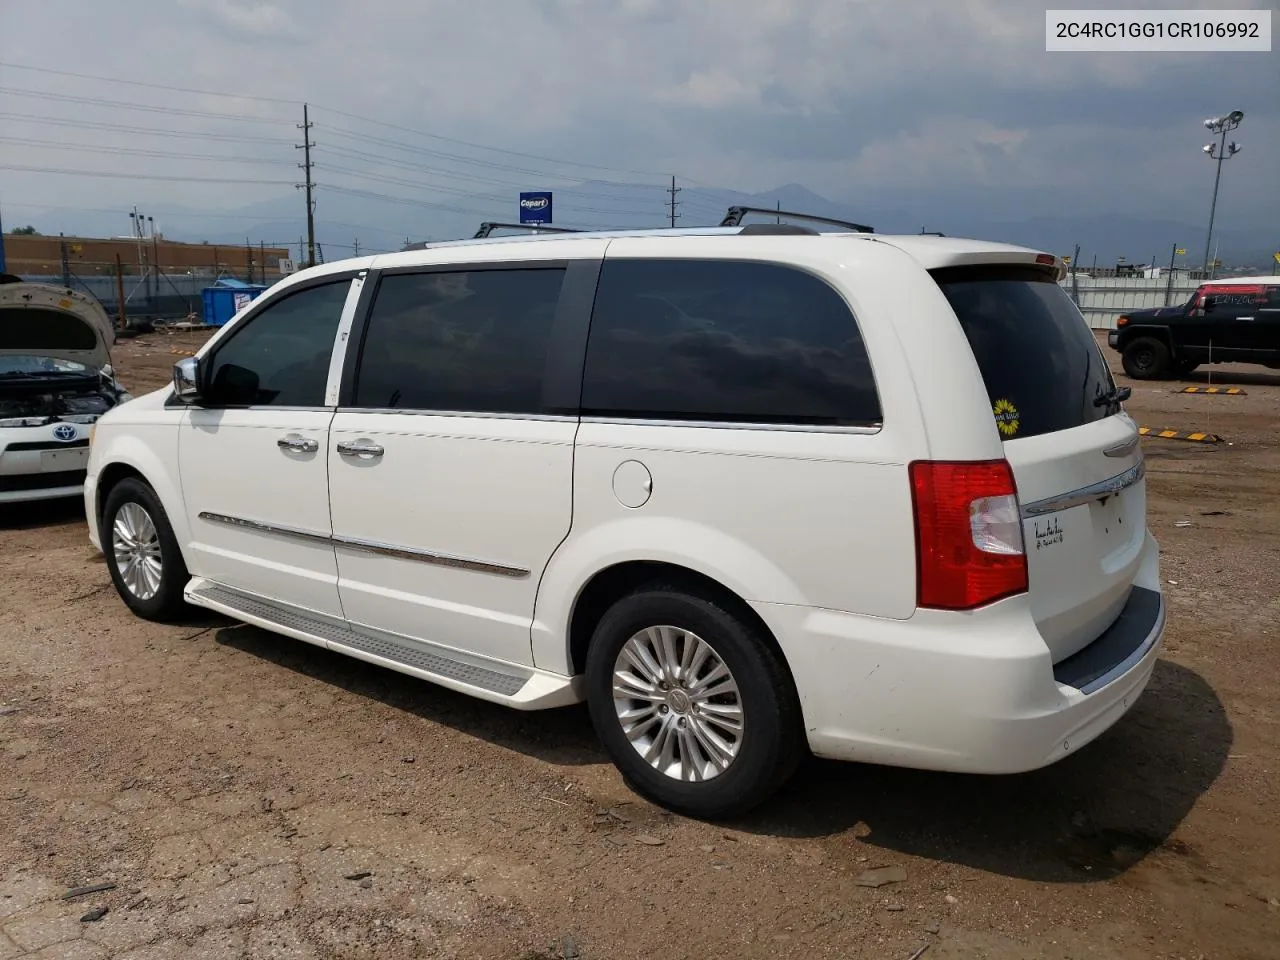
(1039,360)
(725,341)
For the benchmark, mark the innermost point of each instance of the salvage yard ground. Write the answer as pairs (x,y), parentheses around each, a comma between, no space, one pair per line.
(248,795)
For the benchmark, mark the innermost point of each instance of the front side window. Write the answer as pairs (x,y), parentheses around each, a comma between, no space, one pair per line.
(467,340)
(281,356)
(725,340)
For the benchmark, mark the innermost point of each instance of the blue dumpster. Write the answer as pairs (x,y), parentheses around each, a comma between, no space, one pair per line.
(226,298)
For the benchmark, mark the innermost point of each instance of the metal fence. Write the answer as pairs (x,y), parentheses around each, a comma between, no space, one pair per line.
(170,296)
(1103,299)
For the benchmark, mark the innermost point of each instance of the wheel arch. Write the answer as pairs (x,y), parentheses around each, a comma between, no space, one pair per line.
(610,584)
(132,459)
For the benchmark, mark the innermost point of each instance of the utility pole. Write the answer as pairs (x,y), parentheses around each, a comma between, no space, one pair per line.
(1168,287)
(155,256)
(66,264)
(309,186)
(122,319)
(673,190)
(248,258)
(355,247)
(262,261)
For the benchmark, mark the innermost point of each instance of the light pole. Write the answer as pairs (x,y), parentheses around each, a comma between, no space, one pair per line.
(1219,151)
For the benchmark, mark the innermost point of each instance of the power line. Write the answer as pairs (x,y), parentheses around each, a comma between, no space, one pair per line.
(153,86)
(142,131)
(136,176)
(137,152)
(126,105)
(278,100)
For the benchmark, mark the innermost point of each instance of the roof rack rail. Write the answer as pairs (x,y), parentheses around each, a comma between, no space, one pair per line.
(733,218)
(488,227)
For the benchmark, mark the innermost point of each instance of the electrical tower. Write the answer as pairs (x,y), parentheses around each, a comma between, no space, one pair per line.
(671,203)
(309,186)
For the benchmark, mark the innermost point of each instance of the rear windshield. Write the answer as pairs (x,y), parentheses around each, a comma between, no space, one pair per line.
(1040,362)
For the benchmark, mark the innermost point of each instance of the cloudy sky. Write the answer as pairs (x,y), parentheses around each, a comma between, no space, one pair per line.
(874,101)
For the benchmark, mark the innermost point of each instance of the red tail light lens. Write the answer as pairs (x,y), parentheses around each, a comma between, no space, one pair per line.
(1122,321)
(969,549)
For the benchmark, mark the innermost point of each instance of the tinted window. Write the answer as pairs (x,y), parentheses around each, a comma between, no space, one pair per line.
(724,340)
(468,340)
(281,356)
(1038,357)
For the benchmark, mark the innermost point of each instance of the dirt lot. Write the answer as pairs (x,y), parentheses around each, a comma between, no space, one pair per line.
(253,796)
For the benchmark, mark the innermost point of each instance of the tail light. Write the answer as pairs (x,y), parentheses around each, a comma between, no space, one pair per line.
(1122,321)
(969,549)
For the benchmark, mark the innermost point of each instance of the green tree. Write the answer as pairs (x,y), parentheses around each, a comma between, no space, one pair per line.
(27,231)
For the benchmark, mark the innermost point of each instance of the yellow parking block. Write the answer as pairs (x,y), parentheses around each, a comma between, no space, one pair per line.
(1225,391)
(1179,435)
(182,353)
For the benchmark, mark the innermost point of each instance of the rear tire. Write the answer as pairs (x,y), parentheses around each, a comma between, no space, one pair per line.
(1146,358)
(142,553)
(676,744)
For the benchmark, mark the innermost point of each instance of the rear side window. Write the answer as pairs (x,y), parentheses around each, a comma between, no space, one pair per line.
(734,341)
(468,340)
(1040,362)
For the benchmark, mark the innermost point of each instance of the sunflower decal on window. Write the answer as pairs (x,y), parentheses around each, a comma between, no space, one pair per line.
(1006,417)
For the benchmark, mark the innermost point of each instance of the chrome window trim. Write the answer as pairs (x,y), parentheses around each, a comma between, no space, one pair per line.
(737,425)
(550,417)
(370,546)
(339,354)
(1094,491)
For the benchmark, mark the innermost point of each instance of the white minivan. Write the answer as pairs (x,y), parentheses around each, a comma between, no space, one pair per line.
(746,491)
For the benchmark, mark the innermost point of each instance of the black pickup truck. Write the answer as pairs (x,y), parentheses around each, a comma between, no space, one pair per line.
(1236,320)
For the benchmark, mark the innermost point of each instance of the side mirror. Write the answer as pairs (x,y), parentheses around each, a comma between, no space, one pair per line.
(186,380)
(1123,393)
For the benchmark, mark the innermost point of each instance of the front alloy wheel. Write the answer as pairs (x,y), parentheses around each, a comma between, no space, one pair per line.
(142,552)
(678,703)
(136,545)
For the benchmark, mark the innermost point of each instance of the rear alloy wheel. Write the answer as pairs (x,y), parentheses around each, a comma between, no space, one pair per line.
(694,705)
(1146,358)
(142,553)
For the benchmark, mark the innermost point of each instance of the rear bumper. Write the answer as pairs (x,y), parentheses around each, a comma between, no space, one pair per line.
(1113,339)
(973,693)
(46,493)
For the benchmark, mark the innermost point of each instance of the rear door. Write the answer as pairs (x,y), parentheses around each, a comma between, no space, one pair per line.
(451,456)
(1075,456)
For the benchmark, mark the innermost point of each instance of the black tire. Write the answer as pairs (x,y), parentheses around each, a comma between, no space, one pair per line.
(1184,367)
(773,735)
(1146,358)
(166,602)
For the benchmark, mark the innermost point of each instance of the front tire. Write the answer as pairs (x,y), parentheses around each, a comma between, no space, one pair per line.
(1146,358)
(693,704)
(142,553)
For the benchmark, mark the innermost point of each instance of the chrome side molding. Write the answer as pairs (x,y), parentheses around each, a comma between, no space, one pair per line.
(371,546)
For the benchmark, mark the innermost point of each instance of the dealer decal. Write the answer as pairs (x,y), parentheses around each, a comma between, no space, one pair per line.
(1006,415)
(1048,532)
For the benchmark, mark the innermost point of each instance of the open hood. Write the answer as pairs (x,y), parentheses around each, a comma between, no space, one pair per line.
(37,319)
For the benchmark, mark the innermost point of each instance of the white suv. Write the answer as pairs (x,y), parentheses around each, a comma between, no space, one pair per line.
(743,490)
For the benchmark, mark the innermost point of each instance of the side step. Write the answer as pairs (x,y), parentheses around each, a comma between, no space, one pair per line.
(524,688)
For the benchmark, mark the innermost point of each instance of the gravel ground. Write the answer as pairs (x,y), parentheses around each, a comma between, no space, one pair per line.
(250,796)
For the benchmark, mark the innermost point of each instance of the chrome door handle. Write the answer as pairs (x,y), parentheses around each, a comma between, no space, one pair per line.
(359,448)
(298,444)
(1244,318)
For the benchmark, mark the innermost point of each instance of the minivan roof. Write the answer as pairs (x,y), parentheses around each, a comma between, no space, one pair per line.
(931,252)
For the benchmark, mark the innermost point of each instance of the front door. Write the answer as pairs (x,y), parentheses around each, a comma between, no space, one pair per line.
(253,455)
(451,476)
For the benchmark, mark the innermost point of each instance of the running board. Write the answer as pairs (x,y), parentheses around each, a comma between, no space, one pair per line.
(524,688)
